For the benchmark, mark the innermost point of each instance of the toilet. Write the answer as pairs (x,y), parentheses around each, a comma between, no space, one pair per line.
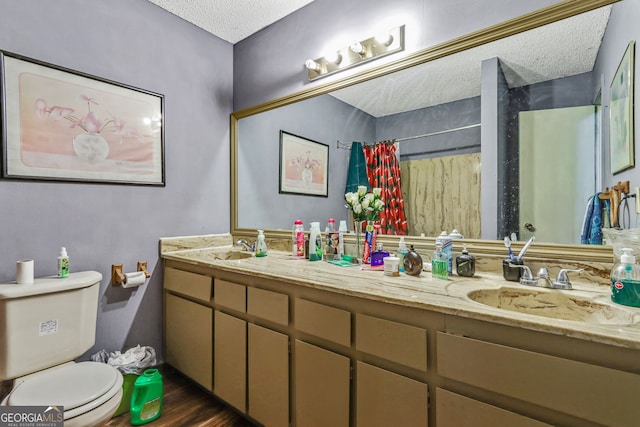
(44,327)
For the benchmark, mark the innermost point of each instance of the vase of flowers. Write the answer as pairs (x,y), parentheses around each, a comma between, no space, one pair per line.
(89,144)
(365,207)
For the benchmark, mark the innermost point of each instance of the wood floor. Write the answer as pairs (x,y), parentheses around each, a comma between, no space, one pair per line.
(185,404)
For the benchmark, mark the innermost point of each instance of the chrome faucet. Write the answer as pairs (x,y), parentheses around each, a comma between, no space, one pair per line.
(543,280)
(251,247)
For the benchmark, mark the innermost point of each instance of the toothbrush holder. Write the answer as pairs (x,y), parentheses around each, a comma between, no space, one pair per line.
(511,274)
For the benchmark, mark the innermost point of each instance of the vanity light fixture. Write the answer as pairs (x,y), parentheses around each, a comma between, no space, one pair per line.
(356,53)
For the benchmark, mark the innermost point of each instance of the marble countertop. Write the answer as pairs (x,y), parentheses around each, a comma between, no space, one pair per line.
(424,292)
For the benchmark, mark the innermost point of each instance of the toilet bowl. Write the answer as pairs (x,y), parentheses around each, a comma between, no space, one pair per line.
(89,392)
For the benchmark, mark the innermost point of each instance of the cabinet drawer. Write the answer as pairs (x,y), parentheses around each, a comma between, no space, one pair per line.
(268,305)
(191,284)
(230,295)
(397,342)
(603,395)
(323,321)
(454,410)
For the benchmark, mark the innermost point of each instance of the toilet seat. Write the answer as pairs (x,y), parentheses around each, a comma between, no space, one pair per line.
(78,387)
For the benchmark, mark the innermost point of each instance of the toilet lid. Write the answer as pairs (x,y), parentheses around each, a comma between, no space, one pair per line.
(71,386)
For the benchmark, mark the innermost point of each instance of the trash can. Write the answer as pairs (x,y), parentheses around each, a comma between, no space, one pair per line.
(131,365)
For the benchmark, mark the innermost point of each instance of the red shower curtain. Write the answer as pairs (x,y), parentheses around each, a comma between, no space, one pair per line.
(383,170)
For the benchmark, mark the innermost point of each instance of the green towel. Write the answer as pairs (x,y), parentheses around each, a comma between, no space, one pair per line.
(357,173)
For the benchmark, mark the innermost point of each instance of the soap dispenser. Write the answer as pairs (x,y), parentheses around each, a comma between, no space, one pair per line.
(465,263)
(378,255)
(625,280)
(261,245)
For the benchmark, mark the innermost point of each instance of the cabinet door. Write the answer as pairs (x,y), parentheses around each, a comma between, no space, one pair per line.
(454,410)
(385,399)
(322,384)
(268,376)
(188,338)
(230,361)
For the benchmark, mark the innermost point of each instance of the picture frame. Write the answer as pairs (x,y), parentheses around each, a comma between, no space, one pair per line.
(304,166)
(621,114)
(63,125)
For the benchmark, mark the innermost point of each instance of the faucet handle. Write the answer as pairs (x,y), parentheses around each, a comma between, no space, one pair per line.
(526,274)
(563,277)
(543,272)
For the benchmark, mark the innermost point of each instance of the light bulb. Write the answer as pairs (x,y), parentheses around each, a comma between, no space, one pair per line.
(356,47)
(312,65)
(384,39)
(333,57)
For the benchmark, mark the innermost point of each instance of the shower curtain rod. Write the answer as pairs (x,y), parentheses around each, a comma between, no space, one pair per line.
(347,145)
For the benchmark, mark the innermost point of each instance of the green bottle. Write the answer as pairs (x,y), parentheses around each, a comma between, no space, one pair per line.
(146,399)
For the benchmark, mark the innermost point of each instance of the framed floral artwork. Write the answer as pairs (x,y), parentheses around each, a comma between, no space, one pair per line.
(304,166)
(63,125)
(621,126)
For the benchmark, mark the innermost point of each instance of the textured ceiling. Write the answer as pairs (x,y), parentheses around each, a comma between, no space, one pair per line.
(561,49)
(231,20)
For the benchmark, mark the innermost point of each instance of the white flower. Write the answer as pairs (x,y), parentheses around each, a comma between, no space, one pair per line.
(362,190)
(377,192)
(357,208)
(365,203)
(378,205)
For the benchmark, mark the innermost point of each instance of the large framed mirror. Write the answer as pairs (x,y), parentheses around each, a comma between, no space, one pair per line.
(460,112)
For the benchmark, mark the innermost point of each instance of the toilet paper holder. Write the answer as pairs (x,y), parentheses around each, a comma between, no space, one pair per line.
(117,275)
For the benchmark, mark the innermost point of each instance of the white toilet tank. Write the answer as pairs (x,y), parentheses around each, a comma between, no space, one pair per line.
(47,323)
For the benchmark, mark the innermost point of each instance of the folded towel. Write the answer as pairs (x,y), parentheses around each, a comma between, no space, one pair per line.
(357,172)
(592,223)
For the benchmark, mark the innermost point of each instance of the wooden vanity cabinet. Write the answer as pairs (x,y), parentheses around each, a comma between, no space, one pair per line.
(288,355)
(188,324)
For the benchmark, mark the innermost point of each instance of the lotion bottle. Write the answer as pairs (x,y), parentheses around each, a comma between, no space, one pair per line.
(261,245)
(402,252)
(63,263)
(315,242)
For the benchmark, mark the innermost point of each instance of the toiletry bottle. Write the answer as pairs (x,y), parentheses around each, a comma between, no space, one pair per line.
(341,230)
(331,241)
(315,242)
(412,262)
(439,263)
(465,263)
(297,239)
(447,249)
(261,245)
(378,255)
(63,263)
(625,280)
(402,251)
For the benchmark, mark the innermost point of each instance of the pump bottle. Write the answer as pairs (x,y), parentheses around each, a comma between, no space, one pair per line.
(625,280)
(261,245)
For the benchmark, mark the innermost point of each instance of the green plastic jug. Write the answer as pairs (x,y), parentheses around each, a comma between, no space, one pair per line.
(146,399)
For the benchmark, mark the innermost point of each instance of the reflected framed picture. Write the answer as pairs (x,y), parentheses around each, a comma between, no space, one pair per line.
(621,123)
(304,166)
(63,125)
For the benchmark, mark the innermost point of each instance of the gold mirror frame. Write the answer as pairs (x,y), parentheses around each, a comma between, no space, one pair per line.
(556,12)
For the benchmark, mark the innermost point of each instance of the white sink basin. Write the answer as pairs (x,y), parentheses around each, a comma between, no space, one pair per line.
(554,304)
